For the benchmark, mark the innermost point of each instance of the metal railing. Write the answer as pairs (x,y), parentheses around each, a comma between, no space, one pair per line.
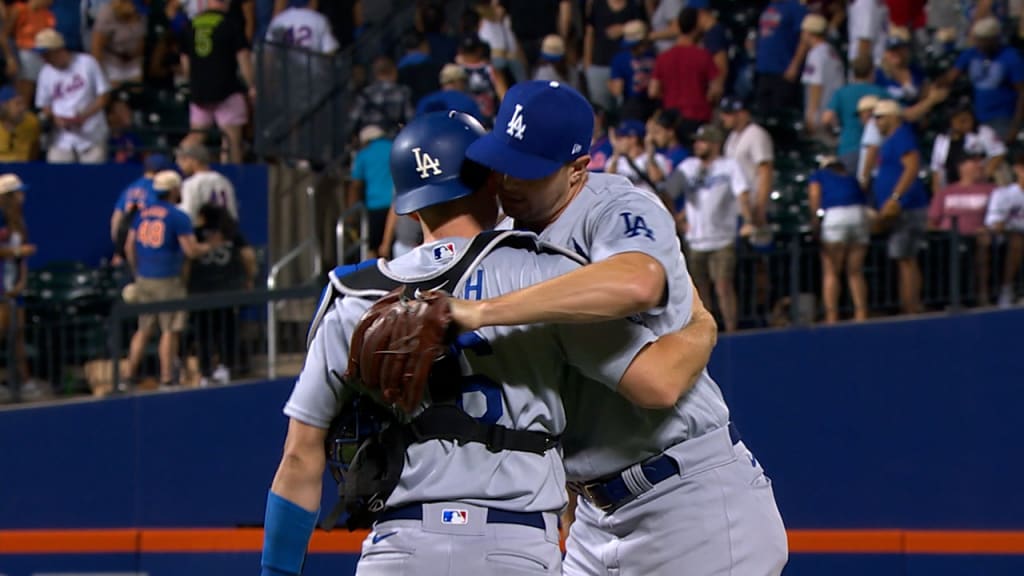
(782,285)
(312,245)
(341,233)
(229,322)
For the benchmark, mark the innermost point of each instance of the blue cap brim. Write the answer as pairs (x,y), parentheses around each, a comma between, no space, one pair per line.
(630,43)
(429,195)
(552,57)
(493,152)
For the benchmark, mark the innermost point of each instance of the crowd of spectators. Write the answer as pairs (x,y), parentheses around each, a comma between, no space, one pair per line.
(722,107)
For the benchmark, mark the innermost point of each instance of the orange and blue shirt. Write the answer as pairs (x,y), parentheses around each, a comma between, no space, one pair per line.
(158,252)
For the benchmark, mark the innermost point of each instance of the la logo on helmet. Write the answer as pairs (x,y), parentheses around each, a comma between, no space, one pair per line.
(425,164)
(516,127)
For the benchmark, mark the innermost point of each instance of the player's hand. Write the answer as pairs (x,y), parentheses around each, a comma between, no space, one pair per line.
(791,73)
(27,250)
(466,314)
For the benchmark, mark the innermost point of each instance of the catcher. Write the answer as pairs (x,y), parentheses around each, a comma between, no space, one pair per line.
(449,445)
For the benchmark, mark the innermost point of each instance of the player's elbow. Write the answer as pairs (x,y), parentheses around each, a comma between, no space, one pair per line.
(660,394)
(645,286)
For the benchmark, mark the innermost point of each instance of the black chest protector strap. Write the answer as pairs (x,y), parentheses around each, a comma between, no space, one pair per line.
(449,422)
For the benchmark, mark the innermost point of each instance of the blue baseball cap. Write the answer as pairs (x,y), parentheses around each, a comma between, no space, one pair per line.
(158,163)
(699,4)
(631,128)
(7,93)
(541,126)
(731,104)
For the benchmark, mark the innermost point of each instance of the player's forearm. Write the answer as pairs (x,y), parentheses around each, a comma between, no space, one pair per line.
(669,368)
(765,174)
(622,285)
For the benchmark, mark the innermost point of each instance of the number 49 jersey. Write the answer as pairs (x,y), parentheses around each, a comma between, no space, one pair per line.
(207,187)
(158,252)
(511,376)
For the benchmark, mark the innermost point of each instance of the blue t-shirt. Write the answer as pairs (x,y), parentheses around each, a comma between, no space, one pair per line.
(779,35)
(445,100)
(844,105)
(890,168)
(157,249)
(635,72)
(716,40)
(675,155)
(838,189)
(138,195)
(993,80)
(373,167)
(895,91)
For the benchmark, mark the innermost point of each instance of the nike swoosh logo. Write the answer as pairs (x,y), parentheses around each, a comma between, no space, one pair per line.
(378,537)
(417,293)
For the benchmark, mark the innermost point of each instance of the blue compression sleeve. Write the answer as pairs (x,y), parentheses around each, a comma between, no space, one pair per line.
(287,529)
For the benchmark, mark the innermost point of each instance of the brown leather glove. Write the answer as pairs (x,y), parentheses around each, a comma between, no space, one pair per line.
(395,345)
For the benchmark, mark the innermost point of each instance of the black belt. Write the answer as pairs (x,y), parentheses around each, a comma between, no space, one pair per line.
(415,512)
(612,491)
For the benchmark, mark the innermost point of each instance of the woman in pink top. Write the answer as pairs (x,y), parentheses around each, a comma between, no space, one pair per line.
(965,203)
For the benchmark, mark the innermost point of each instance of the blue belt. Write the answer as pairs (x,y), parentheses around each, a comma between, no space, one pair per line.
(612,491)
(415,512)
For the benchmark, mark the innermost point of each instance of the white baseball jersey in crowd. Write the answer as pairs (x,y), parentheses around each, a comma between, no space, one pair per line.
(623,168)
(69,92)
(712,205)
(304,28)
(207,187)
(1006,207)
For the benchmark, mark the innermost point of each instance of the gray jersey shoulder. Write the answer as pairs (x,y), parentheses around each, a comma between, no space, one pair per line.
(610,216)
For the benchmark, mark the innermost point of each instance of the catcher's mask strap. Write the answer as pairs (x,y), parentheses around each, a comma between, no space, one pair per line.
(449,422)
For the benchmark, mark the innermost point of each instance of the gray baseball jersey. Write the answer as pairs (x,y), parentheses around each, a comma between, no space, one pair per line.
(516,377)
(605,432)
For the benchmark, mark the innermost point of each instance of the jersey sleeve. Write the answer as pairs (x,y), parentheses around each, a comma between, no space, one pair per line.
(814,68)
(939,148)
(737,180)
(182,223)
(328,43)
(635,221)
(98,77)
(872,136)
(316,396)
(1015,64)
(762,149)
(998,209)
(862,21)
(604,351)
(994,146)
(44,90)
(963,61)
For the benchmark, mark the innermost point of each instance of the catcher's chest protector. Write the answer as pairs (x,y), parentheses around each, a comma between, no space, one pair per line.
(369,478)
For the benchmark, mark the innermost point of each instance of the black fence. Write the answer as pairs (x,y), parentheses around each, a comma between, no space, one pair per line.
(69,348)
(781,285)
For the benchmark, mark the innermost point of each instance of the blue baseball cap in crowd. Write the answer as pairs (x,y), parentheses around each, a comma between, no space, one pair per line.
(7,93)
(541,126)
(158,163)
(699,4)
(631,128)
(731,104)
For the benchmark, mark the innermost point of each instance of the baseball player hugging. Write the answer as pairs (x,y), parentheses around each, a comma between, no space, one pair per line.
(448,442)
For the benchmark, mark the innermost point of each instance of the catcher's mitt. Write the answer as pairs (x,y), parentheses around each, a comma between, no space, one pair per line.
(395,345)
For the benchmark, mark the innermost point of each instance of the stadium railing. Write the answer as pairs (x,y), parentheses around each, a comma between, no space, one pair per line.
(72,346)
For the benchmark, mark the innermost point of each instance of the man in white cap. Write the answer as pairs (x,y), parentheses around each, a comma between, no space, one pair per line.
(996,72)
(631,70)
(13,278)
(158,243)
(901,199)
(823,72)
(73,93)
(371,179)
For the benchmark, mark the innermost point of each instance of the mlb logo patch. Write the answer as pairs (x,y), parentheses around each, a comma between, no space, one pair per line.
(444,252)
(455,517)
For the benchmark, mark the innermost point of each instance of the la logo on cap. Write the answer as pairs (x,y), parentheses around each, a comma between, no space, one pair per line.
(516,128)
